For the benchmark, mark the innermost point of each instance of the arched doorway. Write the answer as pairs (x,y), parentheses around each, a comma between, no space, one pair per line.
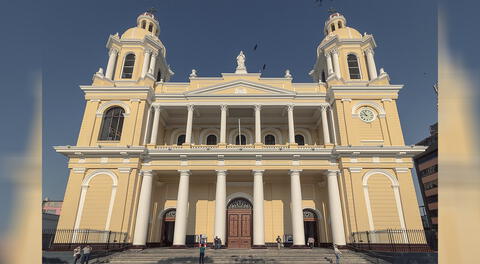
(168,225)
(310,225)
(239,223)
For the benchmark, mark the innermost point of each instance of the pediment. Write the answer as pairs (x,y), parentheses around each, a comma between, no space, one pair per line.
(240,88)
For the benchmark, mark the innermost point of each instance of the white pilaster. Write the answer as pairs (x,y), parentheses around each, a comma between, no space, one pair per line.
(180,231)
(335,208)
(220,205)
(291,126)
(112,58)
(148,126)
(223,125)
(258,124)
(332,122)
(329,64)
(326,133)
(156,120)
(153,61)
(146,60)
(336,64)
(143,210)
(372,69)
(258,214)
(188,133)
(296,207)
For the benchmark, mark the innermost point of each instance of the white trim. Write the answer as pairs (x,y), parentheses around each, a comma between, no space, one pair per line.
(233,133)
(103,107)
(85,185)
(223,86)
(307,136)
(123,65)
(175,134)
(317,212)
(275,132)
(204,133)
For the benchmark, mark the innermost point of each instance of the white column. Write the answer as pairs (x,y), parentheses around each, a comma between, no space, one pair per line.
(326,133)
(156,119)
(220,205)
(112,58)
(143,210)
(258,124)
(372,69)
(153,61)
(291,126)
(188,133)
(146,60)
(335,208)
(180,231)
(297,208)
(258,214)
(336,64)
(223,124)
(332,122)
(398,202)
(147,126)
(329,64)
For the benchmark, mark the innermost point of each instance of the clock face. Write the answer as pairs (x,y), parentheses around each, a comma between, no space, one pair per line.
(366,115)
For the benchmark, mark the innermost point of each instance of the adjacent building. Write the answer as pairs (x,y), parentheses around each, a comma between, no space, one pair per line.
(240,156)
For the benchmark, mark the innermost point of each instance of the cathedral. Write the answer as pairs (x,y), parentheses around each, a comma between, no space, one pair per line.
(238,156)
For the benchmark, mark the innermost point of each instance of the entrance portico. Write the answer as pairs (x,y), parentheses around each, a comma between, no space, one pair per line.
(201,195)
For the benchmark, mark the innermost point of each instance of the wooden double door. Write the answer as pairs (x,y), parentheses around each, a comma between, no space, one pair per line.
(239,228)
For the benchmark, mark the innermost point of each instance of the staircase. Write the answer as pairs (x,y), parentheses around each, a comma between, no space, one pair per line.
(263,256)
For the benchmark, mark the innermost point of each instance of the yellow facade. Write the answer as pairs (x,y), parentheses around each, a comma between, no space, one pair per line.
(348,100)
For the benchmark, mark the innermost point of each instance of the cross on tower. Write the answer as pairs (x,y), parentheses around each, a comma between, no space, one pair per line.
(152,10)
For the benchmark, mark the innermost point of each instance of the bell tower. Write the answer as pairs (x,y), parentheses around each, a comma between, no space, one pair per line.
(137,55)
(344,55)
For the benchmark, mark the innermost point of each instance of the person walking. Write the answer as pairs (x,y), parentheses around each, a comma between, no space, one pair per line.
(201,259)
(279,242)
(77,254)
(311,242)
(338,253)
(87,250)
(215,242)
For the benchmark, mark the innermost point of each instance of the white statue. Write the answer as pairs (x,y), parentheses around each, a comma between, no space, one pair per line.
(241,64)
(194,73)
(287,74)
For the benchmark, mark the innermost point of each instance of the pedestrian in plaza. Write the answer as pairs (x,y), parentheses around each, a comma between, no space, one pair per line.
(311,242)
(215,242)
(87,250)
(338,253)
(279,242)
(77,254)
(201,259)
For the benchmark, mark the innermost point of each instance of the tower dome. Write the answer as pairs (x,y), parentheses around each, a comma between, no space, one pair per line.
(147,24)
(337,25)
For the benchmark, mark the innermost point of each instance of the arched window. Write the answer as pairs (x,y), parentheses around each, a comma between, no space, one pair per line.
(112,124)
(333,27)
(269,139)
(243,139)
(339,24)
(128,66)
(144,24)
(150,27)
(181,140)
(323,77)
(212,140)
(353,68)
(300,140)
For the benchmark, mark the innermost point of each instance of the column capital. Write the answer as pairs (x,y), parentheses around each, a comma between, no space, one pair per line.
(332,173)
(290,107)
(148,173)
(185,172)
(369,50)
(256,171)
(327,55)
(221,172)
(191,107)
(223,107)
(156,107)
(324,107)
(257,107)
(295,171)
(147,51)
(113,51)
(334,51)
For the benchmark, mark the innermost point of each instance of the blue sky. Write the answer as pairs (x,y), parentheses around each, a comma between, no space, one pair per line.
(65,40)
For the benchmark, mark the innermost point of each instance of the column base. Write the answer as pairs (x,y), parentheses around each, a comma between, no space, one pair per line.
(258,145)
(300,246)
(187,145)
(292,145)
(330,145)
(259,247)
(222,145)
(178,246)
(151,145)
